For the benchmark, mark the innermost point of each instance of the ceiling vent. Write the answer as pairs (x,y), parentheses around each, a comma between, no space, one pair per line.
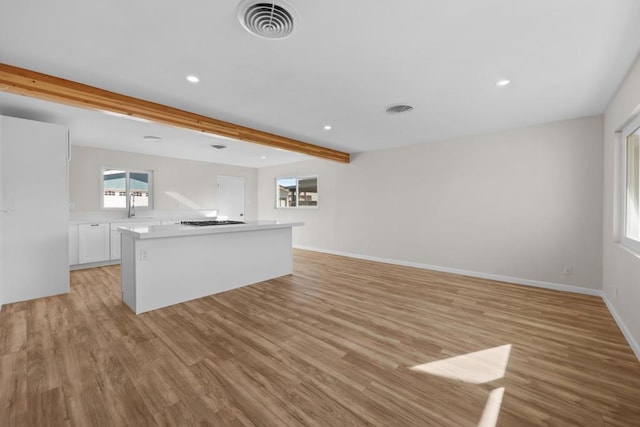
(399,108)
(268,20)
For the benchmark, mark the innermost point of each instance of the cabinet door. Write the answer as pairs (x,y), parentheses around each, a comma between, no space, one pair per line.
(115,244)
(73,245)
(115,234)
(93,242)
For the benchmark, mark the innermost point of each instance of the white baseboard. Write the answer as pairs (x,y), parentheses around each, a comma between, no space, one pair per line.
(623,328)
(496,277)
(527,282)
(93,264)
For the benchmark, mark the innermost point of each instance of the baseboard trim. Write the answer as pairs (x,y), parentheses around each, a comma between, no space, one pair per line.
(527,282)
(623,328)
(93,264)
(480,275)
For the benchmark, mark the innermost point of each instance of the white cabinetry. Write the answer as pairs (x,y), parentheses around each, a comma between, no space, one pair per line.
(115,234)
(73,244)
(34,211)
(93,243)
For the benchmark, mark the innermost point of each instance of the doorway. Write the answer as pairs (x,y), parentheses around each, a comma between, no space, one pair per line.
(231,197)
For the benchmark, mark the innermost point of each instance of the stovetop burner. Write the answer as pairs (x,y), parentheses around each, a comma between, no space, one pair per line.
(206,222)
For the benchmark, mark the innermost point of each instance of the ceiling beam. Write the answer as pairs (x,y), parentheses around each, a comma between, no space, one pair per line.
(50,88)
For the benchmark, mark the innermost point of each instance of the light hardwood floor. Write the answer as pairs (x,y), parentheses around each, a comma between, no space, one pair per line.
(340,342)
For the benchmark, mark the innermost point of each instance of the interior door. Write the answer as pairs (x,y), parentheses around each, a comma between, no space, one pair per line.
(231,197)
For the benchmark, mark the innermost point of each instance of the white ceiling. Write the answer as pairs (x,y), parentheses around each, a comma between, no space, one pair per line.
(345,62)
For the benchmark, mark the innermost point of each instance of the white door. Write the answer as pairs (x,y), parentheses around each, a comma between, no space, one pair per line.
(231,197)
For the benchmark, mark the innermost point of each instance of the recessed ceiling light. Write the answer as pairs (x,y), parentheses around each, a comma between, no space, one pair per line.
(192,79)
(502,83)
(327,127)
(218,146)
(263,157)
(152,138)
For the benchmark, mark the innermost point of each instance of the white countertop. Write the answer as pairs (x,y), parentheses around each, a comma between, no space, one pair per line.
(178,230)
(94,220)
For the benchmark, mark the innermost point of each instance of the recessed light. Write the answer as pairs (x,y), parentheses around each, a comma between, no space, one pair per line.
(502,83)
(218,146)
(192,79)
(263,157)
(327,127)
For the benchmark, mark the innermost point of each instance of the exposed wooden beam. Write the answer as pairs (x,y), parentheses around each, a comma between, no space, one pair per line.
(37,85)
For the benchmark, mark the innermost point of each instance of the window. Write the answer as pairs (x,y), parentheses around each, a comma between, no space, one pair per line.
(297,192)
(630,235)
(118,183)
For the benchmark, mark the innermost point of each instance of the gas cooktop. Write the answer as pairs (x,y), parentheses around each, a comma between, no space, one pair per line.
(206,222)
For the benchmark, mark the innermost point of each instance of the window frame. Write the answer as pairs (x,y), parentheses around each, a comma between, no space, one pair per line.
(128,190)
(298,178)
(632,126)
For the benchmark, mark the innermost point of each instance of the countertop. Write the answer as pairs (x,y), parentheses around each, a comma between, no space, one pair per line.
(178,230)
(103,220)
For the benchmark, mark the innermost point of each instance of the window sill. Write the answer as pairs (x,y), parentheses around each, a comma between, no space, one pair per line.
(631,251)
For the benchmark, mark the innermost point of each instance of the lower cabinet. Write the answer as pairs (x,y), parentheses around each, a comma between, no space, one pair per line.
(89,243)
(93,243)
(73,244)
(115,243)
(115,234)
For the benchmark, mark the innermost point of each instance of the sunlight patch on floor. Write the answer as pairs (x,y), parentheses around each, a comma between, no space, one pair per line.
(477,368)
(491,410)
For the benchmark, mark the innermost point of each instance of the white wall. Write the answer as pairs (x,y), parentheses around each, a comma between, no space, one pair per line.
(1,226)
(179,185)
(520,204)
(621,268)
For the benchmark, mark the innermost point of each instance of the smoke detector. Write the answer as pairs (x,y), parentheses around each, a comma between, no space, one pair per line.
(267,20)
(398,108)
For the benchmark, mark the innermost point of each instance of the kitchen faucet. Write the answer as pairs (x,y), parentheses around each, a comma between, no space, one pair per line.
(132,206)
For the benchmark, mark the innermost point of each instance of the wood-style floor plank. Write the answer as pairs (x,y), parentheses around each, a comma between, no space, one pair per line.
(341,342)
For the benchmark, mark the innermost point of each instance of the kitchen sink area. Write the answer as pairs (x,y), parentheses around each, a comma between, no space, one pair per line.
(94,239)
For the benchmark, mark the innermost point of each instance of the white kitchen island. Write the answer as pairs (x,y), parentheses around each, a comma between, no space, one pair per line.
(164,265)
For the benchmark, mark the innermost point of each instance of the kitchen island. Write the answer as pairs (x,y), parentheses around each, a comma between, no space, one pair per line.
(164,265)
